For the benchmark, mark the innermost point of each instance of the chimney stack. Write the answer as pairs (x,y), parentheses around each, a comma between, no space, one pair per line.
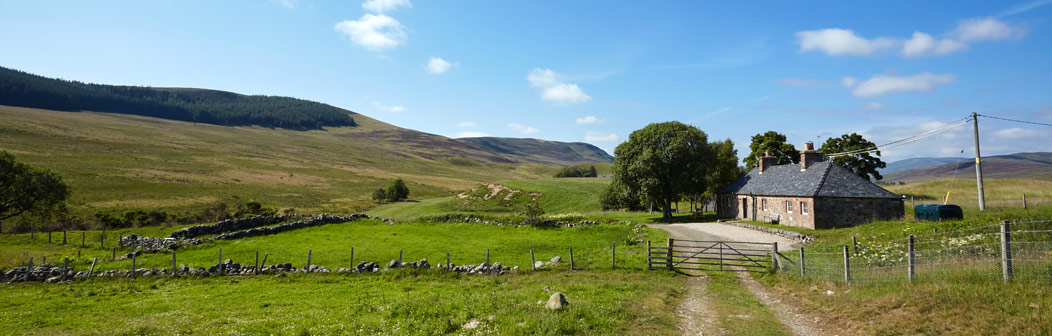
(767,161)
(809,156)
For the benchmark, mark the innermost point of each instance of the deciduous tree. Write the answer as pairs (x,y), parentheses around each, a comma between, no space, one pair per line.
(862,164)
(663,161)
(774,143)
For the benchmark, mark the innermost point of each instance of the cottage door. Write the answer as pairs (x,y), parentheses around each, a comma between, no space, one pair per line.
(745,208)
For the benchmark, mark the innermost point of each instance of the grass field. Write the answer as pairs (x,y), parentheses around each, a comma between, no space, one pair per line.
(397,303)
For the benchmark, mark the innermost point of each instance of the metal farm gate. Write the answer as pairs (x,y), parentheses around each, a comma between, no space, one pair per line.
(698,255)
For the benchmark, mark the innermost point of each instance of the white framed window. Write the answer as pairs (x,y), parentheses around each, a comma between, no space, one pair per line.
(764,204)
(803,208)
(789,206)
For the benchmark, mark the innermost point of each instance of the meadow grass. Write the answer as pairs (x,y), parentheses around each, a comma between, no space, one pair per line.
(405,302)
(738,311)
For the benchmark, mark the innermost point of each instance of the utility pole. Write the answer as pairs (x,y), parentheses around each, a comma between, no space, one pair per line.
(978,163)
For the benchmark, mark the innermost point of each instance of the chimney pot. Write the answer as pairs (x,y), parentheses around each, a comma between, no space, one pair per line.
(809,156)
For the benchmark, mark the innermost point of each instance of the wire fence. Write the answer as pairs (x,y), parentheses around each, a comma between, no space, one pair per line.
(1008,251)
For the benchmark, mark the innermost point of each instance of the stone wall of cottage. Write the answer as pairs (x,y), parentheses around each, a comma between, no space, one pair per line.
(846,212)
(776,208)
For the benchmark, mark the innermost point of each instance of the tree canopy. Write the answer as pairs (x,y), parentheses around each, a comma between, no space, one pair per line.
(397,191)
(574,171)
(27,189)
(19,88)
(662,162)
(864,164)
(774,143)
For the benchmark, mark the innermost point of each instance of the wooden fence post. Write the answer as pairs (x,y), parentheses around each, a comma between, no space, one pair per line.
(102,240)
(43,260)
(133,265)
(114,257)
(83,238)
(774,255)
(63,237)
(49,237)
(1024,201)
(175,270)
(65,269)
(399,257)
(912,260)
(668,262)
(265,255)
(487,256)
(646,256)
(533,262)
(1006,250)
(571,258)
(352,257)
(854,244)
(847,265)
(92,270)
(309,252)
(803,269)
(30,263)
(255,270)
(447,261)
(613,256)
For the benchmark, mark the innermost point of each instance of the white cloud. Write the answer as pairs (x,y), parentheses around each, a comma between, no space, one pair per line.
(553,89)
(837,42)
(438,66)
(842,42)
(290,4)
(590,120)
(373,32)
(542,77)
(923,44)
(1024,7)
(873,106)
(881,85)
(565,93)
(466,124)
(848,81)
(380,6)
(1017,133)
(725,109)
(395,108)
(600,137)
(471,135)
(522,129)
(983,29)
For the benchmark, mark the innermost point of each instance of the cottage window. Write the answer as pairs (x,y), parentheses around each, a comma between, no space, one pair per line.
(789,206)
(765,205)
(803,208)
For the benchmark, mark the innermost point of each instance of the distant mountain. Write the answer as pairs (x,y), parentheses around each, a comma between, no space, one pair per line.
(914,163)
(1019,165)
(542,151)
(23,89)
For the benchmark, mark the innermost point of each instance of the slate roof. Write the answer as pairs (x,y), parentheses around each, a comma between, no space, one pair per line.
(822,179)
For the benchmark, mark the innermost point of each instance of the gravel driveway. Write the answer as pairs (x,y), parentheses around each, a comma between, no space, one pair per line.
(723,232)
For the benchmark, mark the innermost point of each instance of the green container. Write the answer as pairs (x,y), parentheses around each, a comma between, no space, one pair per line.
(937,212)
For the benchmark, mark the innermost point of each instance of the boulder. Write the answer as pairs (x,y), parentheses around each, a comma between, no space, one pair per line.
(556,301)
(538,264)
(556,259)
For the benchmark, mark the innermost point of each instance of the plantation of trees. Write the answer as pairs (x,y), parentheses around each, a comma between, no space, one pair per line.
(23,89)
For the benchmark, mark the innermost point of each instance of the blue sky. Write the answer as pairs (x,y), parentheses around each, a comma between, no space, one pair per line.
(591,71)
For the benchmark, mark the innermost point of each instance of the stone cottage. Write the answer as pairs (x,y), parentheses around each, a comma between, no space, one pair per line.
(814,194)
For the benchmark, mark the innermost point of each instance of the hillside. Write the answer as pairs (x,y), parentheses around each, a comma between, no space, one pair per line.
(914,163)
(22,89)
(542,151)
(1020,165)
(119,161)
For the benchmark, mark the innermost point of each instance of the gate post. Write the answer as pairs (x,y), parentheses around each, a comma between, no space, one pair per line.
(646,258)
(774,255)
(803,270)
(669,254)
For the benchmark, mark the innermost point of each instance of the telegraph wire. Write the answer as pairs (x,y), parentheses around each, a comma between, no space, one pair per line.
(1013,120)
(905,141)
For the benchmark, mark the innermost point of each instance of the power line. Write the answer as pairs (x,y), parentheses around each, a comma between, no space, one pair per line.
(1013,120)
(904,141)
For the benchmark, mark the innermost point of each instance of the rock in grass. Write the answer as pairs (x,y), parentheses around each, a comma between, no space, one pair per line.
(556,259)
(538,264)
(556,301)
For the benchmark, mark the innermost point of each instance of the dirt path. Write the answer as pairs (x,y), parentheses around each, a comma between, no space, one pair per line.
(697,319)
(696,316)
